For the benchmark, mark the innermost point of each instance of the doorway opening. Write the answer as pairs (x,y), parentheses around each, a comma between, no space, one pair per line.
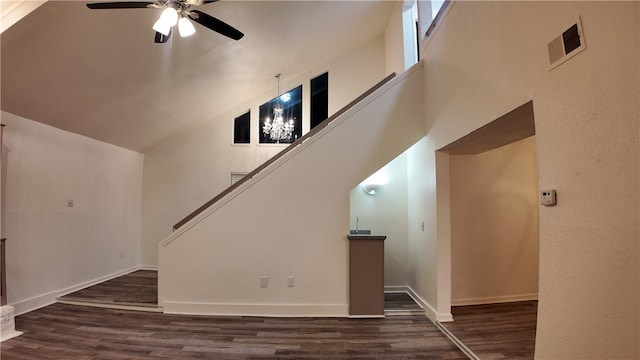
(493,194)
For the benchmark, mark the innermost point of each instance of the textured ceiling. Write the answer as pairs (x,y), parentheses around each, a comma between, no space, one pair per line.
(98,72)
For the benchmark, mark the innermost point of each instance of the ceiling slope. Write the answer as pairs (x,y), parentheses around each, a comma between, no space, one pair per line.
(98,73)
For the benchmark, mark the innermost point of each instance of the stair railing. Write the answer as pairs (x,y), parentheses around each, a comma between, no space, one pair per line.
(284,151)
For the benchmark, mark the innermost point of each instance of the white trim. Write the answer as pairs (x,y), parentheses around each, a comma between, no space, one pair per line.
(7,323)
(425,40)
(366,316)
(263,310)
(42,300)
(494,299)
(13,13)
(459,344)
(280,145)
(148,267)
(10,335)
(34,303)
(111,306)
(396,289)
(406,290)
(98,280)
(429,311)
(403,290)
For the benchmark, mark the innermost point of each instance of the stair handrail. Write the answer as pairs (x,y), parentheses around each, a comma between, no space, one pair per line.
(284,151)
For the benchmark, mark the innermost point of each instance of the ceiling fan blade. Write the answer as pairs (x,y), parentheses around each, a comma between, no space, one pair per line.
(216,25)
(161,38)
(121,5)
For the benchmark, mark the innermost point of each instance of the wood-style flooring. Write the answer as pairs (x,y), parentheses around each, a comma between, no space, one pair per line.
(136,289)
(65,331)
(62,331)
(118,291)
(400,303)
(497,331)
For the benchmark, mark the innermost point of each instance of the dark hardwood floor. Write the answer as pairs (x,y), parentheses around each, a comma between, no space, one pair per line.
(63,331)
(139,288)
(497,331)
(400,303)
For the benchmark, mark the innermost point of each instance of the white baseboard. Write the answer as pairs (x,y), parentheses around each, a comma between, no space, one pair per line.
(149,267)
(111,306)
(262,310)
(494,299)
(35,302)
(429,311)
(396,289)
(42,300)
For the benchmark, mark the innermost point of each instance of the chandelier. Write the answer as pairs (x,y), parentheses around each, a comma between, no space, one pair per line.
(278,130)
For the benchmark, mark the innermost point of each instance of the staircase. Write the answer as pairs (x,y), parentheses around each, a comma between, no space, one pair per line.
(290,217)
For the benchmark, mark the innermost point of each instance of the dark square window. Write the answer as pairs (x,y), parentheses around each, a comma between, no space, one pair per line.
(242,129)
(319,99)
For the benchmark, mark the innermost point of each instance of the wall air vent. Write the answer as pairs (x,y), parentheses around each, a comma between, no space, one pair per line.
(567,45)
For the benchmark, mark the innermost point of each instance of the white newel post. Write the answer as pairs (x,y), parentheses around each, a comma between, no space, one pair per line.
(7,322)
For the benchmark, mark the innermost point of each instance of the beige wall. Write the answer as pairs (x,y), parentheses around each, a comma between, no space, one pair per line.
(394,44)
(490,57)
(425,266)
(256,231)
(53,249)
(386,214)
(494,225)
(184,172)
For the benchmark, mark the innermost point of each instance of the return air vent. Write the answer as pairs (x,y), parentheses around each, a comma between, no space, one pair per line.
(567,45)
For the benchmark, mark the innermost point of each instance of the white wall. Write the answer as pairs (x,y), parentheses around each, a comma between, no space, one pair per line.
(494,225)
(213,264)
(186,171)
(52,248)
(487,58)
(422,246)
(394,41)
(386,214)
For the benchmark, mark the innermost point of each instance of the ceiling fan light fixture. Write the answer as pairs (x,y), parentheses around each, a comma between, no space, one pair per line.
(172,12)
(185,27)
(168,19)
(162,27)
(169,16)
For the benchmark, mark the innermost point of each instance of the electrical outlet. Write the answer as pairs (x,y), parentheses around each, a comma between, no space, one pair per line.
(291,281)
(122,255)
(264,282)
(548,198)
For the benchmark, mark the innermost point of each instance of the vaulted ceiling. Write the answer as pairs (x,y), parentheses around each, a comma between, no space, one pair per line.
(98,73)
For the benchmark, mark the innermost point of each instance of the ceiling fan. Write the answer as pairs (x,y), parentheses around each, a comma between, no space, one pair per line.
(175,12)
